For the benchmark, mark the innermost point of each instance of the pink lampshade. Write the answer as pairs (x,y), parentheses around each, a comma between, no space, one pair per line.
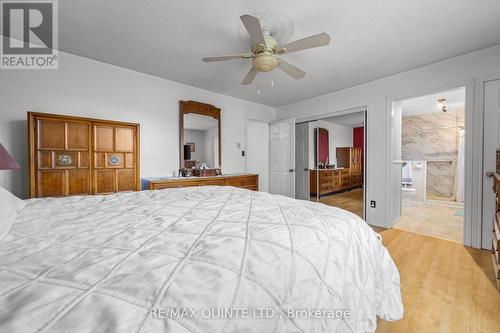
(6,161)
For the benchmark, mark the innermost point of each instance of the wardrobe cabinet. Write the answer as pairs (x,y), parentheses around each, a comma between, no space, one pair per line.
(81,156)
(351,158)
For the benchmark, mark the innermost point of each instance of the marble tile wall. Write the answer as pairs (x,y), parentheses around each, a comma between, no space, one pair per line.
(434,137)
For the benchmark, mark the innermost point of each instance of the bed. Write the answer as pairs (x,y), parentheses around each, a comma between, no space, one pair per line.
(204,259)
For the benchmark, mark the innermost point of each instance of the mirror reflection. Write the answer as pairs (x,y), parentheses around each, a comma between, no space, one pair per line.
(201,142)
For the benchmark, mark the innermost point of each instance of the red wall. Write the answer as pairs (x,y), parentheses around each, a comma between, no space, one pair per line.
(358,140)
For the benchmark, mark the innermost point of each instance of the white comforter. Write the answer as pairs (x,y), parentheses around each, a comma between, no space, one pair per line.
(176,261)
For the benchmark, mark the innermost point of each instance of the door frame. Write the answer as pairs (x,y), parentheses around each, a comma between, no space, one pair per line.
(480,107)
(363,109)
(474,117)
(268,150)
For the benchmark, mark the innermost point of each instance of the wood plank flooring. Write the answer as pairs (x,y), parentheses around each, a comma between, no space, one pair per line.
(446,287)
(351,201)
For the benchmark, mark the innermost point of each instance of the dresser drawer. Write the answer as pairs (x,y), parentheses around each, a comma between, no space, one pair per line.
(161,186)
(242,182)
(214,182)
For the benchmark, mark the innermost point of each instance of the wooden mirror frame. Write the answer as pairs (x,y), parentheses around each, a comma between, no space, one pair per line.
(203,109)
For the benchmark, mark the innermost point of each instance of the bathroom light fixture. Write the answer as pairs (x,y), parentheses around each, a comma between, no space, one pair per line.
(442,104)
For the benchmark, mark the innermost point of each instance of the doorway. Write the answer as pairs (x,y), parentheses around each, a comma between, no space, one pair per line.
(431,160)
(330,161)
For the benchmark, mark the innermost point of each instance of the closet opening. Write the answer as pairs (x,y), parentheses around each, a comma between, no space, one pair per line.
(330,161)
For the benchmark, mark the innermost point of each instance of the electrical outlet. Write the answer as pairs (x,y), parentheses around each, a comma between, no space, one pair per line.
(373,204)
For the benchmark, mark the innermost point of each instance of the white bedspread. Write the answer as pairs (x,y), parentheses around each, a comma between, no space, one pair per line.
(128,262)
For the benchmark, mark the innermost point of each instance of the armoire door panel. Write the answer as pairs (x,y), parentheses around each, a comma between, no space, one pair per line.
(50,183)
(115,160)
(83,160)
(78,136)
(125,180)
(129,160)
(99,160)
(45,159)
(124,139)
(105,181)
(66,159)
(104,138)
(51,134)
(78,182)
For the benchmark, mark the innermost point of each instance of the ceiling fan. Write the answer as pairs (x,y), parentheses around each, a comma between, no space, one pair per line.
(265,50)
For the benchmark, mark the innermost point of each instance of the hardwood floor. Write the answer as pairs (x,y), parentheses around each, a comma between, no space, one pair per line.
(446,287)
(351,201)
(432,220)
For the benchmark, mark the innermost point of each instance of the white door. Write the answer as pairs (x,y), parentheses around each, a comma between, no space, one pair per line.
(257,154)
(491,144)
(302,161)
(397,164)
(283,158)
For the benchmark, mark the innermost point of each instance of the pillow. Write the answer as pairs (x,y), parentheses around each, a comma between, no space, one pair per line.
(10,205)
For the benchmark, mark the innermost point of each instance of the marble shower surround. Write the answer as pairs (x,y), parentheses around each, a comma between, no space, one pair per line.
(434,137)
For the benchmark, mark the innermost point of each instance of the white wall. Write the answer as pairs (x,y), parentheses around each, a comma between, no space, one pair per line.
(375,95)
(89,88)
(257,152)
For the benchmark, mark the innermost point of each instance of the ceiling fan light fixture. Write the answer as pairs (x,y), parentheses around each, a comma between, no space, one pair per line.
(265,62)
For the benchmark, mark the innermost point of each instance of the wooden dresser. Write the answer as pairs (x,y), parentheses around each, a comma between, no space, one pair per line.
(248,181)
(496,223)
(330,181)
(78,156)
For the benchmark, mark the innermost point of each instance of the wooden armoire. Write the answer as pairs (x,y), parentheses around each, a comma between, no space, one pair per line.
(79,156)
(351,158)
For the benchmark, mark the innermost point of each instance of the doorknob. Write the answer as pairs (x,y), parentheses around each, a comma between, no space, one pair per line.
(306,169)
(489,174)
(291,170)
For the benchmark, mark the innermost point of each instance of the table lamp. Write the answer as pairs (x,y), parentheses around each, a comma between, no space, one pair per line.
(6,161)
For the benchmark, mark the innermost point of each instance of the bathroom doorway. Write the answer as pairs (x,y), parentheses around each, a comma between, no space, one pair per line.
(432,164)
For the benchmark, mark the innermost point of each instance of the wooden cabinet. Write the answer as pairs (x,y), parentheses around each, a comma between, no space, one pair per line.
(79,156)
(247,181)
(351,158)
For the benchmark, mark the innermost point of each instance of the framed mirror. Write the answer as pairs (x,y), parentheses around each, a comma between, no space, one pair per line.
(200,139)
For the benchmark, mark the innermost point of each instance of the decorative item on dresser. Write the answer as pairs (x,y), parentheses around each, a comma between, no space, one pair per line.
(496,223)
(248,181)
(78,156)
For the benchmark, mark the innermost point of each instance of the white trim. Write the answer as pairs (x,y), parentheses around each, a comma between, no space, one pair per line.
(332,114)
(473,156)
(479,161)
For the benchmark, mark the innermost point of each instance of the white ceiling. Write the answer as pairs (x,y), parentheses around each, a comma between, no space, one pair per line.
(353,120)
(370,39)
(429,104)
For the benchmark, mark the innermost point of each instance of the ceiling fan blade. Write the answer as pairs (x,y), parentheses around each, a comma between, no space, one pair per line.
(227,57)
(252,24)
(249,77)
(291,70)
(318,40)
